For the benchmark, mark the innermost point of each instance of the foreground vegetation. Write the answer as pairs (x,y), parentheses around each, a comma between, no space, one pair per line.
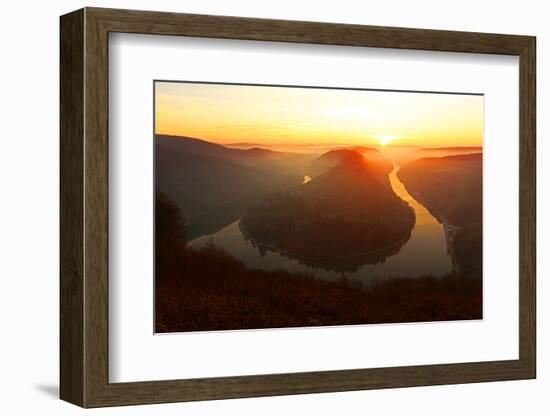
(207,289)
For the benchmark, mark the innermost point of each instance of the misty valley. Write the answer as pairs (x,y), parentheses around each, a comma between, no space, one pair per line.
(249,237)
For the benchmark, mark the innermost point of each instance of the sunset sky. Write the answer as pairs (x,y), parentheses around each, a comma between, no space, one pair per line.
(279,115)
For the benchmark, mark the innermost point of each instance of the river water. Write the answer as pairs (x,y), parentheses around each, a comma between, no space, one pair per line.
(425,253)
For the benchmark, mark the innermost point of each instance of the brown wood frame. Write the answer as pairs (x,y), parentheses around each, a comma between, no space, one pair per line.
(84,207)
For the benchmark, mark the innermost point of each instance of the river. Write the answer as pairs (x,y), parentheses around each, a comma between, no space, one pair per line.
(425,253)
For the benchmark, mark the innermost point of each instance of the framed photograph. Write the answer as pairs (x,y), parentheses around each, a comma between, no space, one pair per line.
(255,207)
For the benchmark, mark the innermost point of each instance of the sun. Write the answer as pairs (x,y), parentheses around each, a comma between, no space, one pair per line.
(385,140)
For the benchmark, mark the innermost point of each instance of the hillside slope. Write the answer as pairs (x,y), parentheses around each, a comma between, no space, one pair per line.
(212,184)
(451,188)
(344,212)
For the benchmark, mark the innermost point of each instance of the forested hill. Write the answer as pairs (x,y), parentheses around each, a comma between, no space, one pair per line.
(344,211)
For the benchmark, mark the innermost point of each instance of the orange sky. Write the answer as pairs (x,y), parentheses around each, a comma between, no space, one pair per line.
(279,115)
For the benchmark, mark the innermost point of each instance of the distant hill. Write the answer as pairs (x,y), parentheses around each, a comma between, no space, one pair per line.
(255,156)
(378,165)
(359,149)
(242,144)
(344,212)
(427,152)
(212,184)
(470,149)
(362,176)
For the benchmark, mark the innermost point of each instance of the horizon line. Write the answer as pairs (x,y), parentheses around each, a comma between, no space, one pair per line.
(259,145)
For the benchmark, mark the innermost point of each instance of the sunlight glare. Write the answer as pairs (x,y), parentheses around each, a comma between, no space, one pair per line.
(384,140)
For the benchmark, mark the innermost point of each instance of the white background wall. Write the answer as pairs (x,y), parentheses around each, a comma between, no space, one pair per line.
(29,206)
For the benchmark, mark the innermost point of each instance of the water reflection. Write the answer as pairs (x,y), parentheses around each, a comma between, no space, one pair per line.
(425,252)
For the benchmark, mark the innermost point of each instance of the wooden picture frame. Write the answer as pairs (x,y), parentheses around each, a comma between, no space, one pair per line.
(84,207)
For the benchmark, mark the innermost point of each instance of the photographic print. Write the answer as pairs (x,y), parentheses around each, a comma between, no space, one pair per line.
(291,206)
